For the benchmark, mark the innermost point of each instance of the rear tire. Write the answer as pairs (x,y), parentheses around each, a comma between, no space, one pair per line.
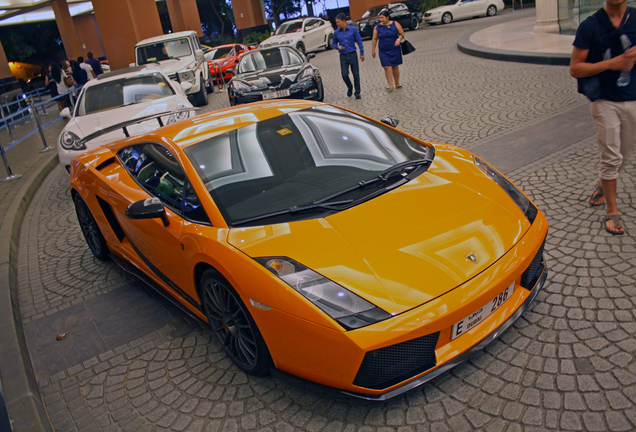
(210,87)
(93,236)
(491,11)
(301,47)
(447,18)
(330,42)
(414,23)
(233,325)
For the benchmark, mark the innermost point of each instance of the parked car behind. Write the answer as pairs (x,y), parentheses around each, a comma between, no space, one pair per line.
(462,9)
(116,97)
(223,57)
(275,73)
(408,18)
(305,34)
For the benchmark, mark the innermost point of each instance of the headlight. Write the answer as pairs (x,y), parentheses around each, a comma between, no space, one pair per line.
(348,309)
(285,42)
(70,141)
(186,76)
(241,87)
(517,196)
(307,73)
(178,116)
(436,13)
(225,63)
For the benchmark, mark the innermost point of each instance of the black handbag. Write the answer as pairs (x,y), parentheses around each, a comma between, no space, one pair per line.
(407,47)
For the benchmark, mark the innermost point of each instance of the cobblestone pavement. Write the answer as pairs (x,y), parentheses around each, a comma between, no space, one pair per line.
(566,364)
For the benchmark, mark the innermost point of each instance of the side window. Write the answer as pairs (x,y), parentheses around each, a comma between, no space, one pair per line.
(157,171)
(311,24)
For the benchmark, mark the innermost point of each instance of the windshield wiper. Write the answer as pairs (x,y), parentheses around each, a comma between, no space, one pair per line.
(296,209)
(400,168)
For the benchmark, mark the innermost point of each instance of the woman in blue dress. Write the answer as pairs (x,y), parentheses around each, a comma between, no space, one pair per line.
(390,34)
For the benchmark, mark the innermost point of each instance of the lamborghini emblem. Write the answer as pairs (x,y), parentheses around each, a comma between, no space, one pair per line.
(472,258)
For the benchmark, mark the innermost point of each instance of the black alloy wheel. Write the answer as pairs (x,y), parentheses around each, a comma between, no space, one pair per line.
(233,325)
(447,18)
(492,10)
(414,23)
(301,47)
(93,236)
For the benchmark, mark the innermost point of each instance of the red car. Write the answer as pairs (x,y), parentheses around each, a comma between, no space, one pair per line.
(222,57)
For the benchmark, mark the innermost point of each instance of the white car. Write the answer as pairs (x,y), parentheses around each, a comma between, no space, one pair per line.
(305,34)
(463,9)
(117,97)
(180,56)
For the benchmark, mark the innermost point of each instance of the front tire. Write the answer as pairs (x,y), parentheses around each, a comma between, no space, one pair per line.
(491,11)
(233,325)
(301,47)
(210,87)
(447,18)
(414,23)
(93,236)
(201,97)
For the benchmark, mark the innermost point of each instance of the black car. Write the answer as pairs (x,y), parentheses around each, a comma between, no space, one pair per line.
(408,18)
(280,72)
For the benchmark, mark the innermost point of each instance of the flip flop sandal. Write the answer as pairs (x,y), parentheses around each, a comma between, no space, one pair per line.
(617,224)
(398,87)
(598,194)
(389,89)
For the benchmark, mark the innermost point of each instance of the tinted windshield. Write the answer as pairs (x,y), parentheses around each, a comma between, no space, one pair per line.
(374,11)
(125,91)
(218,53)
(163,51)
(296,159)
(290,27)
(268,59)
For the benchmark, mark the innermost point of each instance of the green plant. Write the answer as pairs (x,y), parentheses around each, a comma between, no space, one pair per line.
(431,4)
(257,37)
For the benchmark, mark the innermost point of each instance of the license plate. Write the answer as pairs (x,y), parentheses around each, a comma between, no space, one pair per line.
(276,94)
(462,326)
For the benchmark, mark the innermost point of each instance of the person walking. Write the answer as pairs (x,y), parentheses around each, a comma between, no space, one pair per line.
(599,52)
(345,39)
(390,34)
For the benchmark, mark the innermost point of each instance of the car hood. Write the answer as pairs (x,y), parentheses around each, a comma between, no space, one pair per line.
(87,124)
(407,246)
(370,20)
(171,67)
(282,77)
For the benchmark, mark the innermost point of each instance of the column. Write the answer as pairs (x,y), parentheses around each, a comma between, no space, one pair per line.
(5,70)
(123,23)
(547,17)
(67,28)
(184,15)
(248,13)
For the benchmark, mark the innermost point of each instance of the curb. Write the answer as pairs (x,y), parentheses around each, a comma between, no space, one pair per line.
(467,47)
(20,387)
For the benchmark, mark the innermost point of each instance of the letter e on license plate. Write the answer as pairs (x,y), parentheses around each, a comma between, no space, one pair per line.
(462,326)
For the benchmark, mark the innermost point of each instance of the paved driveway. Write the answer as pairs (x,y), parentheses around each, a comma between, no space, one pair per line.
(133,362)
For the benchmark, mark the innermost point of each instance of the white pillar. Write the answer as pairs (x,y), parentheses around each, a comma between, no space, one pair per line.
(547,16)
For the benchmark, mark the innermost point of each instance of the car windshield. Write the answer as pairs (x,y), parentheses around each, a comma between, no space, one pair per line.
(172,49)
(268,59)
(290,27)
(218,53)
(296,159)
(374,11)
(121,92)
(450,2)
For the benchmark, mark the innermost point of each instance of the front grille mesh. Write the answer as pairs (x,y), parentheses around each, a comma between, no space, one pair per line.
(528,278)
(390,365)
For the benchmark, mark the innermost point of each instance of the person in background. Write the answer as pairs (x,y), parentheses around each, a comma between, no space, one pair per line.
(90,73)
(95,64)
(614,112)
(58,77)
(389,33)
(49,83)
(79,75)
(345,39)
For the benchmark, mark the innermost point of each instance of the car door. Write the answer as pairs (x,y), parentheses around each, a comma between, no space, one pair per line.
(313,34)
(478,7)
(463,9)
(158,246)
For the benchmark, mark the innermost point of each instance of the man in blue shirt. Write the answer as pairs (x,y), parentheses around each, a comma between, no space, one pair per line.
(344,40)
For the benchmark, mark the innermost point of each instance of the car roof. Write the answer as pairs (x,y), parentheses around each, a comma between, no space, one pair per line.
(204,126)
(170,36)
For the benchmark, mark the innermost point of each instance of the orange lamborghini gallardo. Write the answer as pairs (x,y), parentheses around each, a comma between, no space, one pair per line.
(318,241)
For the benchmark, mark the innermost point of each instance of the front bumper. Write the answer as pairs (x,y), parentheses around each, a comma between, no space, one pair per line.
(296,91)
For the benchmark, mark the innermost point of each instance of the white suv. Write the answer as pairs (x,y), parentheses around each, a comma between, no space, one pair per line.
(179,55)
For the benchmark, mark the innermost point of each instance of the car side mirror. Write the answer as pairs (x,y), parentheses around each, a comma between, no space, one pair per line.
(390,120)
(66,113)
(185,86)
(198,54)
(229,71)
(149,208)
(310,56)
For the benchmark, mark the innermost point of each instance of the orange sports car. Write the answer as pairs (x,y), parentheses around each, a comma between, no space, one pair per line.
(318,241)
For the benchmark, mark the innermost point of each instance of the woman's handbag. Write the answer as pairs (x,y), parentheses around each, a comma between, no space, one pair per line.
(68,81)
(407,47)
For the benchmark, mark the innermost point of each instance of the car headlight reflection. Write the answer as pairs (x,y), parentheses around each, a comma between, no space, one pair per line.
(308,73)
(241,87)
(70,141)
(517,196)
(178,116)
(348,309)
(186,76)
